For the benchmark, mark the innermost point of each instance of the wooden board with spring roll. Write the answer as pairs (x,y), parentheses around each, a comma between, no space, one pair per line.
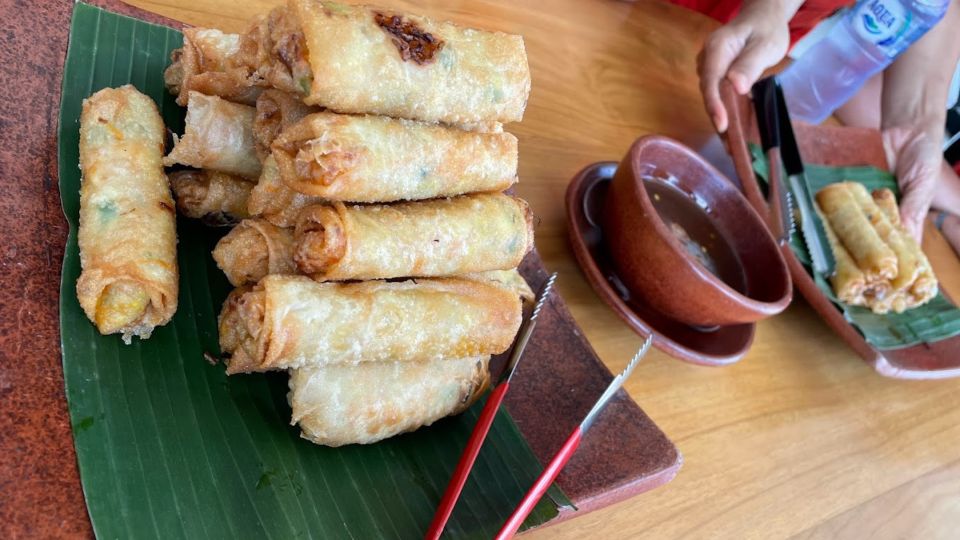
(467,311)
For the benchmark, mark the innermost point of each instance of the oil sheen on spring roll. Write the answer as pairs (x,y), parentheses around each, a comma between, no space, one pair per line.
(276,110)
(440,237)
(127,230)
(272,200)
(253,249)
(371,401)
(376,159)
(215,197)
(854,230)
(508,279)
(364,59)
(218,136)
(292,322)
(202,65)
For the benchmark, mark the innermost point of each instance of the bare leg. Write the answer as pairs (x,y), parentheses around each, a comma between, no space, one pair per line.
(863,109)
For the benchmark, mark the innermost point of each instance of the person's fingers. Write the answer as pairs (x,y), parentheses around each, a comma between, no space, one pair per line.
(757,55)
(719,51)
(913,210)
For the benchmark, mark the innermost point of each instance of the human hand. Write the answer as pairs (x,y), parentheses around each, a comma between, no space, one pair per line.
(916,159)
(740,51)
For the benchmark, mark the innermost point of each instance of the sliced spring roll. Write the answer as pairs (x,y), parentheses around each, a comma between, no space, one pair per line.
(907,258)
(440,237)
(253,249)
(215,197)
(272,200)
(293,322)
(202,65)
(127,230)
(363,59)
(849,221)
(218,136)
(371,401)
(376,159)
(276,110)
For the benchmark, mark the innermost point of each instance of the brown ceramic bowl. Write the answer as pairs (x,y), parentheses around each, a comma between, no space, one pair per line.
(663,191)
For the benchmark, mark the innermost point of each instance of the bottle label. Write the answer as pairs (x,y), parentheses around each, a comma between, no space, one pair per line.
(883,23)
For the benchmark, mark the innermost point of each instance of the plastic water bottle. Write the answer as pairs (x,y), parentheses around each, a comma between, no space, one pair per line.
(865,41)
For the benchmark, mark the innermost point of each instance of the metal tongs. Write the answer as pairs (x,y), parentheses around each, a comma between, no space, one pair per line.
(780,146)
(566,451)
(489,412)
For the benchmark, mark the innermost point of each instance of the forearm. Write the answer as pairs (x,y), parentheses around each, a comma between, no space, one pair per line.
(915,86)
(783,10)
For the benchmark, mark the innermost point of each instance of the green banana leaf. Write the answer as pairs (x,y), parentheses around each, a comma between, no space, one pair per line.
(936,320)
(170,447)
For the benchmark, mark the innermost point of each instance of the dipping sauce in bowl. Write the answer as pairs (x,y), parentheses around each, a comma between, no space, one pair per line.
(693,227)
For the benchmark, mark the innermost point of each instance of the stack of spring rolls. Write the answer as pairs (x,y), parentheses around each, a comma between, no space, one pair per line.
(879,265)
(362,156)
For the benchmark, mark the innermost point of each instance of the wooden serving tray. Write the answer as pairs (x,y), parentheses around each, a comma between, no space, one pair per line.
(40,493)
(834,146)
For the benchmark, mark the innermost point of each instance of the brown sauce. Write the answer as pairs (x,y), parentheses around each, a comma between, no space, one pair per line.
(411,41)
(692,225)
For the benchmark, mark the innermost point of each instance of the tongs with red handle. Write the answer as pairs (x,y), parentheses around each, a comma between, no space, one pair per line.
(489,412)
(566,451)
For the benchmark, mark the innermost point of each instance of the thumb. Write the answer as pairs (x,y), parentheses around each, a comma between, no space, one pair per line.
(913,210)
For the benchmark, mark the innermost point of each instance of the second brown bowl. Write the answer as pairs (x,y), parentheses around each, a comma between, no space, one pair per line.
(682,236)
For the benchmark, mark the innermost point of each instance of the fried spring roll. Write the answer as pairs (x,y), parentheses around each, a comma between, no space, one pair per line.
(371,401)
(218,136)
(907,260)
(276,110)
(127,230)
(441,237)
(849,221)
(274,201)
(847,280)
(377,159)
(253,249)
(359,59)
(215,197)
(925,286)
(202,65)
(293,322)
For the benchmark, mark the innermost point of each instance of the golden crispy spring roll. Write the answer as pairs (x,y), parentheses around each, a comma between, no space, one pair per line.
(272,200)
(907,260)
(202,65)
(440,237)
(127,231)
(215,197)
(276,110)
(293,321)
(273,54)
(371,401)
(254,249)
(925,286)
(847,280)
(363,59)
(856,234)
(218,136)
(377,159)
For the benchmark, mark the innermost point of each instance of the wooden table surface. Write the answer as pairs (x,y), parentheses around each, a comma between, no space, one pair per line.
(801,438)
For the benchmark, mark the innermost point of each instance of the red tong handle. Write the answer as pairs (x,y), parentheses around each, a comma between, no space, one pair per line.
(467,458)
(541,486)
